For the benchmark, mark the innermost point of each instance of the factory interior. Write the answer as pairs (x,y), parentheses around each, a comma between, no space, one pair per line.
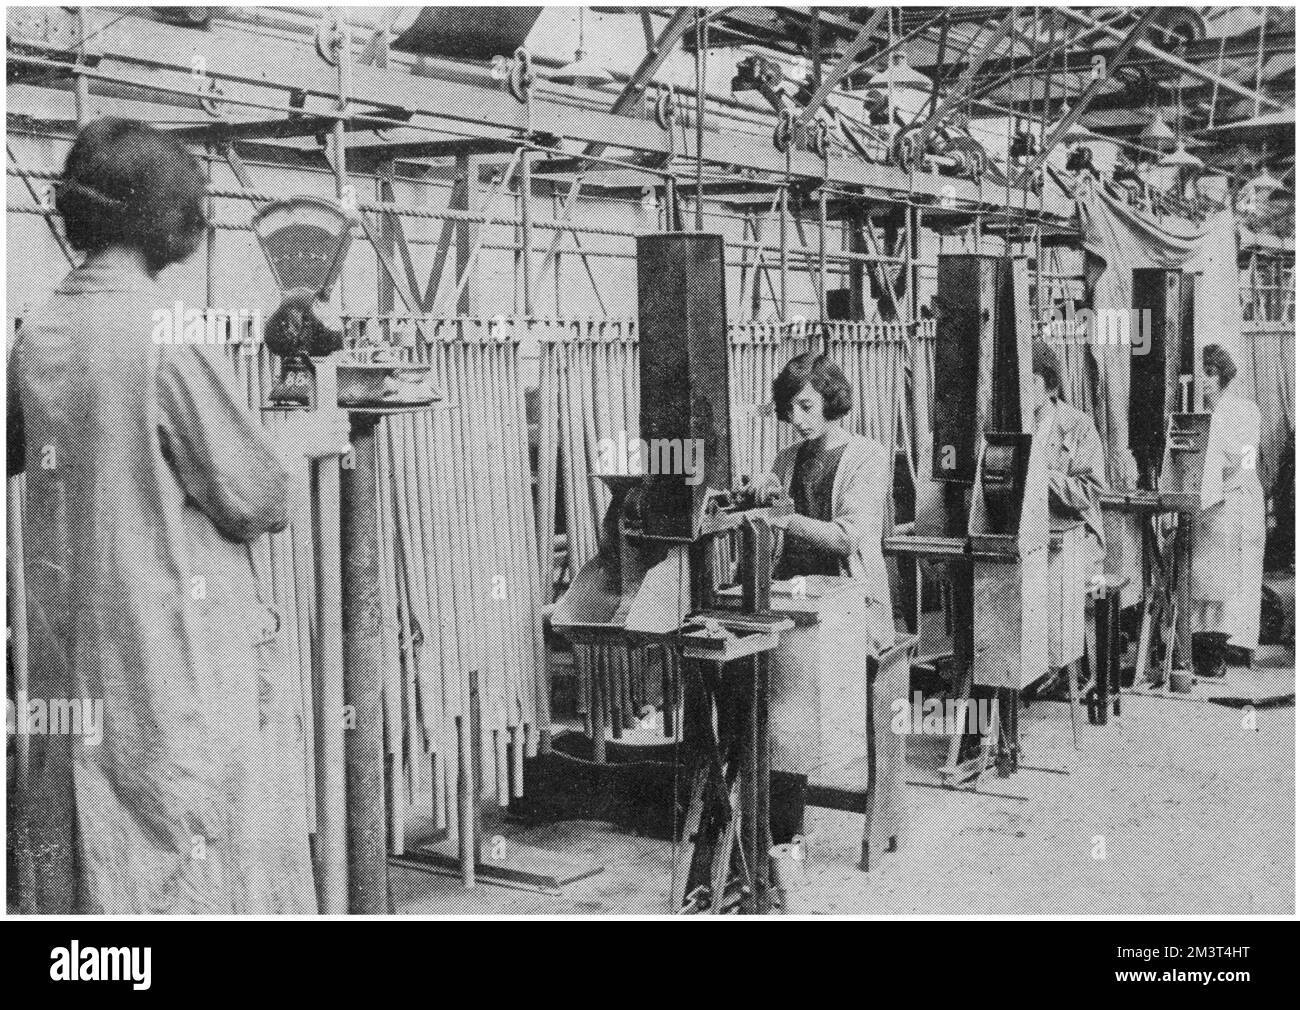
(572,251)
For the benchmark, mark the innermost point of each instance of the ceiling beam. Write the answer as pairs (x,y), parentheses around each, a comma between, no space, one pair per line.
(958,92)
(843,65)
(1070,118)
(266,74)
(1171,59)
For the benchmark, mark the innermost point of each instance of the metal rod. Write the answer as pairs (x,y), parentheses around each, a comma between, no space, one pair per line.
(785,250)
(331,805)
(526,229)
(847,61)
(821,251)
(1085,98)
(701,38)
(332,817)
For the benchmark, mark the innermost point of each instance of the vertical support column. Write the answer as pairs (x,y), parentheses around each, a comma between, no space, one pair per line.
(526,229)
(331,789)
(701,42)
(821,251)
(363,662)
(857,268)
(331,786)
(756,594)
(785,252)
(467,231)
(559,253)
(1183,593)
(384,192)
(80,84)
(210,238)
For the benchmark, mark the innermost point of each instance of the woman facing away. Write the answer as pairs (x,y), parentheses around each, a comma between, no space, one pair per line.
(147,480)
(1227,539)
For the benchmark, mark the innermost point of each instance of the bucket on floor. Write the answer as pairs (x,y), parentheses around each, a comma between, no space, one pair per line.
(788,875)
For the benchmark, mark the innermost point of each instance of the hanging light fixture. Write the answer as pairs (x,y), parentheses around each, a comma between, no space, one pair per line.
(1180,157)
(1265,182)
(582,71)
(900,74)
(1156,135)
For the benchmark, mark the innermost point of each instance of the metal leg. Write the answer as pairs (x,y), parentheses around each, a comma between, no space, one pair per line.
(763,808)
(1105,657)
(1112,623)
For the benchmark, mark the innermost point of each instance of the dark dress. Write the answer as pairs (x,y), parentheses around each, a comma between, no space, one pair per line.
(811,486)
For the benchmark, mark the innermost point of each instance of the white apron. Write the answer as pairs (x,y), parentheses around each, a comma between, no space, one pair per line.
(1228,537)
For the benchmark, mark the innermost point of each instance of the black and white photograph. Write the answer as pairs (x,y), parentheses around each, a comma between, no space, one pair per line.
(631,462)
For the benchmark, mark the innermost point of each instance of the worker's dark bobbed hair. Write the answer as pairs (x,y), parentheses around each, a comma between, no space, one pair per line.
(1048,365)
(819,371)
(1218,362)
(127,183)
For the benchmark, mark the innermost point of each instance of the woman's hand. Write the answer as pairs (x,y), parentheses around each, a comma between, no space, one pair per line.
(315,434)
(779,522)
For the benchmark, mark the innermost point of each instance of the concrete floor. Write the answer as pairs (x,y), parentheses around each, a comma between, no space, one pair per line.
(1177,807)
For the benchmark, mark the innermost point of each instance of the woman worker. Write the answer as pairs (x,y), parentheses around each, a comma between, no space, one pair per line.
(147,480)
(840,484)
(1227,539)
(1076,473)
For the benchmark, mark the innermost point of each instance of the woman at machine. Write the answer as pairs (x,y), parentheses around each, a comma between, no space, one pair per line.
(1227,539)
(147,481)
(1076,473)
(839,483)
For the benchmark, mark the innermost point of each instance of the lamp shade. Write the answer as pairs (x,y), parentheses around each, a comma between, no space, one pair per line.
(1265,182)
(583,72)
(1180,157)
(1157,135)
(900,74)
(1076,134)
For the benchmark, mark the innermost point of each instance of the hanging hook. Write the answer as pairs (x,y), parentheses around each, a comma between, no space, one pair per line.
(666,107)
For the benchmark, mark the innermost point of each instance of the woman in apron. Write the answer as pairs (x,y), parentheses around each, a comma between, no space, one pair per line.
(147,481)
(839,483)
(1076,475)
(1227,539)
